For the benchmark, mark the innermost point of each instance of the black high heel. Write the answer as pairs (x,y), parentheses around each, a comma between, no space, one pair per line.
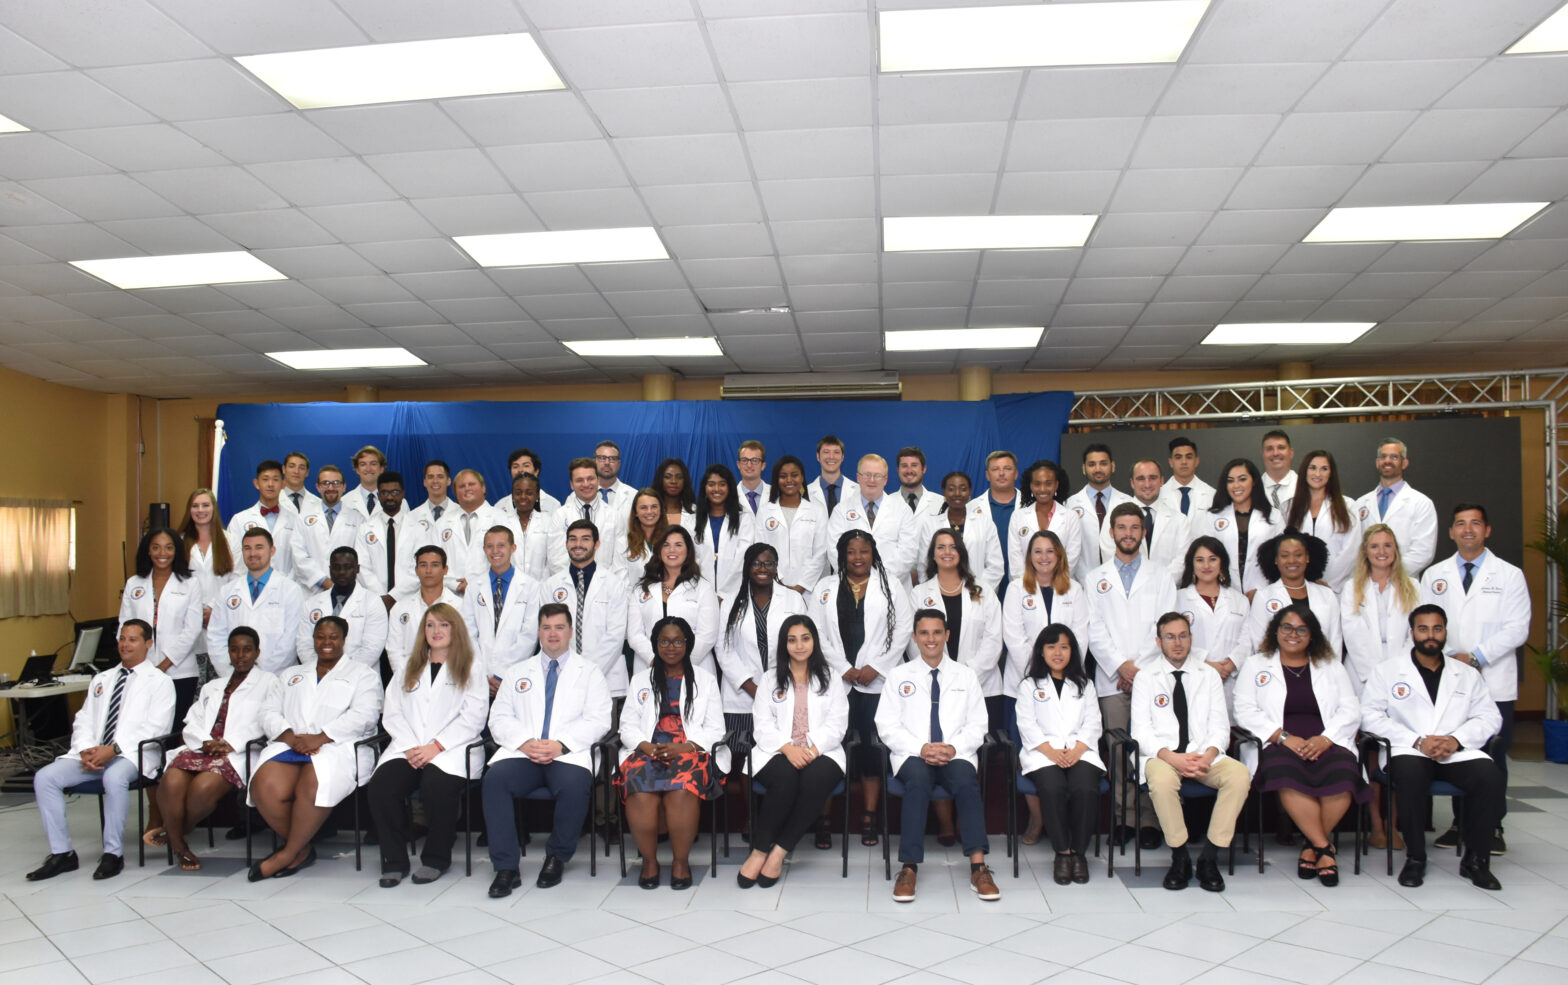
(1327,875)
(1307,868)
(745,882)
(767,882)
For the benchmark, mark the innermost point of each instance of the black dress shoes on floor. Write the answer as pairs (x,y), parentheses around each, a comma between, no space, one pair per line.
(1209,877)
(504,882)
(1414,873)
(54,865)
(1179,874)
(550,873)
(1478,869)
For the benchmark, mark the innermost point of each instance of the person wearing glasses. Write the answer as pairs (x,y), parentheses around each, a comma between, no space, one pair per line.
(749,464)
(607,467)
(887,518)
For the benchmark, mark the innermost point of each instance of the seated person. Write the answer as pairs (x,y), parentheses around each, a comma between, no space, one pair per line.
(674,715)
(1059,729)
(434,710)
(1182,728)
(329,704)
(549,711)
(1296,696)
(228,714)
(932,719)
(124,706)
(799,716)
(1400,703)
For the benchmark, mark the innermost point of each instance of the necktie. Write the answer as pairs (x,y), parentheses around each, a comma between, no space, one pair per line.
(468,528)
(1099,507)
(269,511)
(337,603)
(582,594)
(604,494)
(1274,493)
(255,586)
(1148,526)
(550,678)
(751,497)
(936,706)
(113,717)
(295,497)
(760,617)
(1469,575)
(832,494)
(499,597)
(871,513)
(436,510)
(1383,496)
(1179,706)
(587,510)
(391,554)
(370,503)
(332,516)
(912,499)
(1186,500)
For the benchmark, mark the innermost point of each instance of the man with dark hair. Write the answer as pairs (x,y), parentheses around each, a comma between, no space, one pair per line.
(1184,491)
(527,460)
(585,504)
(326,523)
(911,465)
(1000,500)
(385,544)
(437,479)
(607,467)
(258,596)
(292,558)
(1279,479)
(1093,504)
(406,622)
(597,595)
(501,607)
(296,469)
(832,486)
(359,607)
(368,463)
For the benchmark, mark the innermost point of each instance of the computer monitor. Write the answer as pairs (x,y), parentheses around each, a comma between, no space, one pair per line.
(106,653)
(87,640)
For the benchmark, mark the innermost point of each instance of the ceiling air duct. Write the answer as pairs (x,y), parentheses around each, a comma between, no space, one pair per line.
(812,386)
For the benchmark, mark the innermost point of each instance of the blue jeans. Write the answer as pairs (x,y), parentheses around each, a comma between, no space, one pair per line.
(513,779)
(957,778)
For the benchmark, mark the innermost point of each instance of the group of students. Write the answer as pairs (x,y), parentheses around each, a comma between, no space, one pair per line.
(725,610)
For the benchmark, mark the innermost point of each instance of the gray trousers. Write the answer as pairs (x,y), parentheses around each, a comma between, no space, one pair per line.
(50,783)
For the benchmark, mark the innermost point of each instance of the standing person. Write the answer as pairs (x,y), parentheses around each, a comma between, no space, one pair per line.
(973,523)
(1293,563)
(368,465)
(831,487)
(259,597)
(1184,491)
(1001,499)
(1093,505)
(673,480)
(208,553)
(597,598)
(501,609)
(724,531)
(1241,519)
(750,460)
(795,526)
(290,558)
(164,595)
(645,526)
(434,710)
(362,610)
(887,518)
(584,504)
(1317,507)
(1279,479)
(1165,531)
(753,619)
(525,461)
(406,620)
(320,525)
(911,465)
(1395,502)
(1375,606)
(1043,594)
(672,584)
(461,531)
(385,544)
(1044,508)
(296,469)
(530,527)
(607,468)
(437,480)
(1487,604)
(1214,608)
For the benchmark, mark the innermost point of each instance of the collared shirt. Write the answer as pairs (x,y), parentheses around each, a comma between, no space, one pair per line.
(506,580)
(340,599)
(257,585)
(872,503)
(331,513)
(1431,678)
(1128,570)
(545,658)
(586,574)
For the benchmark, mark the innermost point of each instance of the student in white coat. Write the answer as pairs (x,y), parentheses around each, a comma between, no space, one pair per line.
(437,480)
(1296,697)
(1182,728)
(1293,564)
(1395,502)
(1184,492)
(1165,535)
(932,724)
(677,497)
(644,528)
(329,704)
(597,598)
(672,584)
(1001,500)
(326,524)
(229,714)
(292,558)
(406,621)
(1375,605)
(750,459)
(800,715)
(530,527)
(525,461)
(164,595)
(261,598)
(207,549)
(724,530)
(1059,732)
(673,720)
(973,522)
(1215,609)
(607,470)
(296,470)
(1241,519)
(1437,716)
(1488,607)
(910,463)
(461,531)
(435,709)
(363,611)
(1279,479)
(795,525)
(1043,507)
(974,618)
(548,714)
(1318,507)
(584,504)
(124,706)
(501,608)
(1093,505)
(753,619)
(887,518)
(386,542)
(865,618)
(831,486)
(368,464)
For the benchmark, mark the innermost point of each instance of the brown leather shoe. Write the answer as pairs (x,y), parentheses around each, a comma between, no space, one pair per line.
(984,885)
(1080,869)
(904,886)
(1062,872)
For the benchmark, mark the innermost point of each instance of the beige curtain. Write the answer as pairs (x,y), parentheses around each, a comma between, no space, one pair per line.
(35,555)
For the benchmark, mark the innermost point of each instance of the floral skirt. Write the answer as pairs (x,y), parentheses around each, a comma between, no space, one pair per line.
(199,762)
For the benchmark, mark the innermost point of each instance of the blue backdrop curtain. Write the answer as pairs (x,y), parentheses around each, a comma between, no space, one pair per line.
(481,434)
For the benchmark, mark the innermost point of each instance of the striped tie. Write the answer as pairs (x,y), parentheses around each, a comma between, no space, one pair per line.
(113,718)
(577,625)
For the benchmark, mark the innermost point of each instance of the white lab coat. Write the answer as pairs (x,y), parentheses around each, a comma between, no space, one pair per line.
(547,504)
(255,712)
(579,715)
(406,623)
(849,490)
(371,546)
(737,647)
(364,502)
(704,727)
(319,541)
(146,712)
(533,545)
(1395,705)
(1121,623)
(1024,615)
(1260,702)
(1201,498)
(604,619)
(607,517)
(693,601)
(1063,720)
(721,559)
(980,632)
(1279,493)
(1369,638)
(986,555)
(209,580)
(745,502)
(1154,725)
(344,705)
(877,651)
(290,555)
(773,721)
(904,713)
(440,711)
(275,616)
(1216,630)
(367,626)
(177,630)
(1270,599)
(1064,523)
(1222,527)
(513,639)
(307,500)
(1081,505)
(465,559)
(801,544)
(1494,615)
(1413,518)
(1170,539)
(1344,546)
(894,531)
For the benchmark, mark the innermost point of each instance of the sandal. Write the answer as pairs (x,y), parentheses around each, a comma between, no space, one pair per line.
(155,837)
(824,834)
(1307,864)
(1328,874)
(868,829)
(188,861)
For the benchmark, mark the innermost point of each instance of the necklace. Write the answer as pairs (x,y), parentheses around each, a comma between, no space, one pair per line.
(858,591)
(955,590)
(1296,672)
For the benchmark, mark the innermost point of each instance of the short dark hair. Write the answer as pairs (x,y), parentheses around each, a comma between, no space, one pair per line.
(388,477)
(910,451)
(555,609)
(830,439)
(258,531)
(142,624)
(1275,433)
(248,633)
(436,461)
(1125,509)
(431,549)
(1466,507)
(330,620)
(1427,610)
(1169,617)
(299,455)
(581,463)
(587,525)
(1098,446)
(269,465)
(607,443)
(527,453)
(345,550)
(1182,441)
(502,528)
(937,614)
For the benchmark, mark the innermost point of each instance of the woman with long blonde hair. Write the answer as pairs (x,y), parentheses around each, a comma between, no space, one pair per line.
(207,546)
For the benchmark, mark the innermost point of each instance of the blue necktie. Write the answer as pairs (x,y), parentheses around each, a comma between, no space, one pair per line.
(499,597)
(332,517)
(751,497)
(1186,500)
(1469,576)
(1383,496)
(550,678)
(936,707)
(604,494)
(255,587)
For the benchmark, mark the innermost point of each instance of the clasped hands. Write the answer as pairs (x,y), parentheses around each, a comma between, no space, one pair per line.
(1438,747)
(938,753)
(541,751)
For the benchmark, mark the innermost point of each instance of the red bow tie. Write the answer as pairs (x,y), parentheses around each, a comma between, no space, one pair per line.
(265,510)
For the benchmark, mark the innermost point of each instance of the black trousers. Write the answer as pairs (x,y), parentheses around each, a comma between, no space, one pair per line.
(793,801)
(1482,804)
(1069,803)
(442,794)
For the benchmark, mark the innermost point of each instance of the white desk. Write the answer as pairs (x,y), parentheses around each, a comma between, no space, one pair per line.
(22,727)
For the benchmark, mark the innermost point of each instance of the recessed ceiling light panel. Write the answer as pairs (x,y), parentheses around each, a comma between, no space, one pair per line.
(180,270)
(985,232)
(938,339)
(8,125)
(1549,35)
(329,359)
(609,348)
(1287,333)
(565,246)
(1395,223)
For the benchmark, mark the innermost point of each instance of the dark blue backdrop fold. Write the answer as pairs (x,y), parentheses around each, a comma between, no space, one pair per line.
(480,434)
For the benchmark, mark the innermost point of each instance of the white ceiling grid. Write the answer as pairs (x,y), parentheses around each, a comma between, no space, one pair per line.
(757,136)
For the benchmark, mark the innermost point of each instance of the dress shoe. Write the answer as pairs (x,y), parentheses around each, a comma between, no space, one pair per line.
(1499,846)
(109,866)
(391,880)
(983,884)
(1448,839)
(649,882)
(1122,834)
(1209,877)
(54,865)
(1414,873)
(1150,838)
(1179,874)
(504,882)
(1062,871)
(1478,869)
(679,883)
(1080,869)
(904,886)
(744,881)
(550,872)
(255,874)
(286,871)
(768,882)
(425,874)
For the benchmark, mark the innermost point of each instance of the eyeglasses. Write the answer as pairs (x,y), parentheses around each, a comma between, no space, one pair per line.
(329,483)
(750,461)
(671,644)
(607,458)
(1285,630)
(770,565)
(873,475)
(1176,637)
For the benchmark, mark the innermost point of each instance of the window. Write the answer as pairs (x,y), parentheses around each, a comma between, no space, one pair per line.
(37,541)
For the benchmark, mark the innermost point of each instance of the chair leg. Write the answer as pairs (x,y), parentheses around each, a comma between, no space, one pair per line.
(713,836)
(358,835)
(844,874)
(1137,823)
(141,823)
(468,828)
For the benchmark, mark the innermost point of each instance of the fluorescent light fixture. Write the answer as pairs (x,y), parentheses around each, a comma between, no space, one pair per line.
(1054,34)
(1549,35)
(985,232)
(1288,333)
(328,359)
(180,270)
(1390,223)
(8,125)
(566,246)
(931,339)
(405,70)
(687,347)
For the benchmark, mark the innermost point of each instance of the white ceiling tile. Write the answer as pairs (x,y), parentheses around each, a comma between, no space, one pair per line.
(21,206)
(414,20)
(1446,257)
(153,146)
(1535,255)
(120,33)
(1127,261)
(1297,287)
(1549,140)
(31,309)
(927,294)
(560,167)
(901,318)
(947,97)
(800,47)
(647,275)
(633,303)
(329,181)
(1102,290)
(315,318)
(1549,223)
(832,153)
(438,173)
(272,294)
(662,111)
(1310,258)
(822,269)
(105,196)
(833,297)
(192,90)
(71,241)
(1372,85)
(390,314)
(390,128)
(1202,287)
(1425,28)
(1252,259)
(941,148)
(1258,88)
(1282,226)
(279,25)
(1412,184)
(1149,228)
(1117,316)
(12,251)
(1266,310)
(415,256)
(565,306)
(1527,309)
(522,118)
(821,198)
(1033,294)
(1426,310)
(50,278)
(212,189)
(938,194)
(359,290)
(737,272)
(597,208)
(1345,309)
(181,234)
(621,57)
(1093,91)
(1176,190)
(519,281)
(310,262)
(1202,141)
(1168,313)
(691,157)
(1266,31)
(1334,138)
(19,55)
(1482,283)
(38,155)
(1067,145)
(1293,187)
(469,310)
(827,236)
(805,103)
(186,300)
(1535,180)
(270,229)
(474,215)
(66,101)
(260,139)
(959,265)
(819,327)
(586,13)
(710,203)
(1011,264)
(371,221)
(1465,134)
(721,240)
(1054,192)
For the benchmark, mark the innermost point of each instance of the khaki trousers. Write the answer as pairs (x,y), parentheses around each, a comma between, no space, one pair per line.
(1228,776)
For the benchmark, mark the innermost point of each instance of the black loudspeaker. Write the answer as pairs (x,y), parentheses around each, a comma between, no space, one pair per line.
(157,515)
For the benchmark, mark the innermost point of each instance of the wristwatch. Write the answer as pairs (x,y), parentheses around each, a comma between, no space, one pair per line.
(1283,735)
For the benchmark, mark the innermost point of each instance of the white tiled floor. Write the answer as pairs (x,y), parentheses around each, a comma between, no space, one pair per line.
(334,926)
